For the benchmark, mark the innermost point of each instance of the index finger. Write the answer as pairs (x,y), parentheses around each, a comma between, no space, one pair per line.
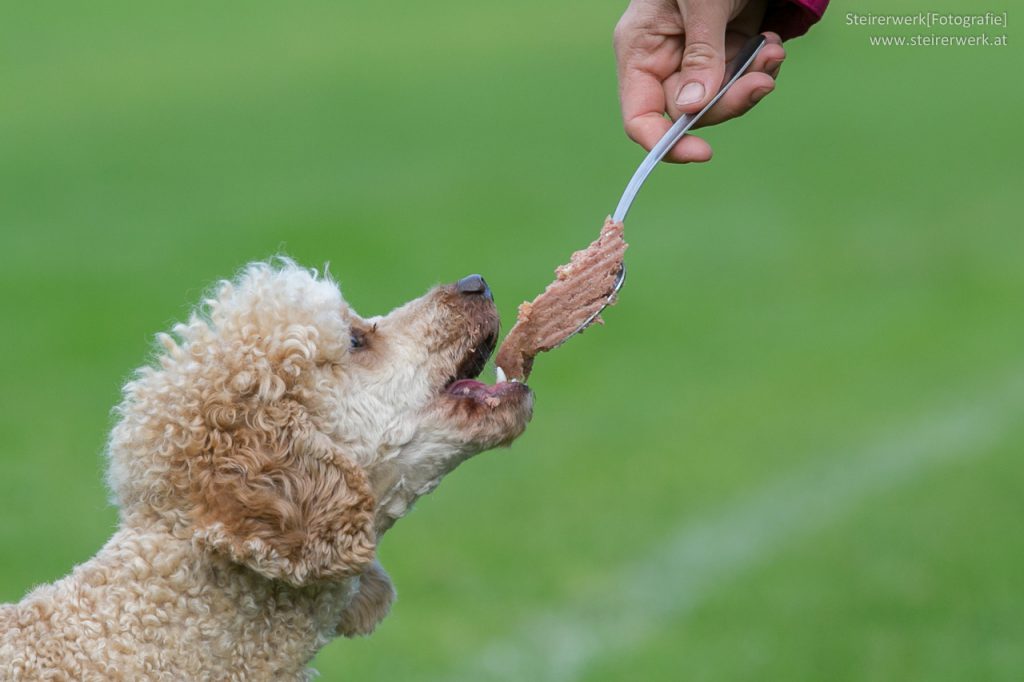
(643,107)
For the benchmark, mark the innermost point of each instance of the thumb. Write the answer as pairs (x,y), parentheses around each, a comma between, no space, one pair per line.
(703,63)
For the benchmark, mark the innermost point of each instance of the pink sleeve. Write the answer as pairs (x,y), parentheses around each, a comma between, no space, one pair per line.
(792,18)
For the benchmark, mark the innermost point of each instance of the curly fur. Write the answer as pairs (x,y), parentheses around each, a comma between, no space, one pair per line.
(256,465)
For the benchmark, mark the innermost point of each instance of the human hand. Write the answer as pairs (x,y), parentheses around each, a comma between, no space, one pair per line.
(671,59)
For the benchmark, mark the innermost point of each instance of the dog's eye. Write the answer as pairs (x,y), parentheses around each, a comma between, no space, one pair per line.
(362,337)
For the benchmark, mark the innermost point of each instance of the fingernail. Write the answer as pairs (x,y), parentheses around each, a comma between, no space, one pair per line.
(759,95)
(690,93)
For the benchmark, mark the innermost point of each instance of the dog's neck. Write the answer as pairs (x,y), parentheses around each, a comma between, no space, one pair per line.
(178,603)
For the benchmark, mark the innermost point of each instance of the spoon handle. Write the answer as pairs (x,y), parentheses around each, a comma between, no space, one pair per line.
(734,69)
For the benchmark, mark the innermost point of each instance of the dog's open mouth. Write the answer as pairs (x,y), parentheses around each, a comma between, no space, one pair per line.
(464,383)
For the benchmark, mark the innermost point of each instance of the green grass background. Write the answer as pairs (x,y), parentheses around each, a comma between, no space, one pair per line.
(851,260)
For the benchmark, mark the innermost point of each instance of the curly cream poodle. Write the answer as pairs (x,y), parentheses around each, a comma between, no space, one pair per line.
(256,465)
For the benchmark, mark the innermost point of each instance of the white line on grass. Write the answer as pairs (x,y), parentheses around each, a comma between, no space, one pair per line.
(702,555)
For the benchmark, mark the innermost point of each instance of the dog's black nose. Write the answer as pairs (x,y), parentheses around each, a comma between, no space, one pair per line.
(474,284)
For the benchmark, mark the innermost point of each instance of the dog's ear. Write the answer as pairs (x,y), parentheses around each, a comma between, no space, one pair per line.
(277,495)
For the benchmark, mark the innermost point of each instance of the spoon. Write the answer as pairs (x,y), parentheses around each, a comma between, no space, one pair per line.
(736,67)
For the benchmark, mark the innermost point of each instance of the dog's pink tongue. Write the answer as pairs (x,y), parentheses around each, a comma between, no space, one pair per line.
(471,388)
(467,387)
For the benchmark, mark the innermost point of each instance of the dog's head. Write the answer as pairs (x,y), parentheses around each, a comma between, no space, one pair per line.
(284,431)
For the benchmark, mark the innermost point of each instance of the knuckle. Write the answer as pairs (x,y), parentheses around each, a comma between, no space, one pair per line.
(618,39)
(622,33)
(634,131)
(631,131)
(699,55)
